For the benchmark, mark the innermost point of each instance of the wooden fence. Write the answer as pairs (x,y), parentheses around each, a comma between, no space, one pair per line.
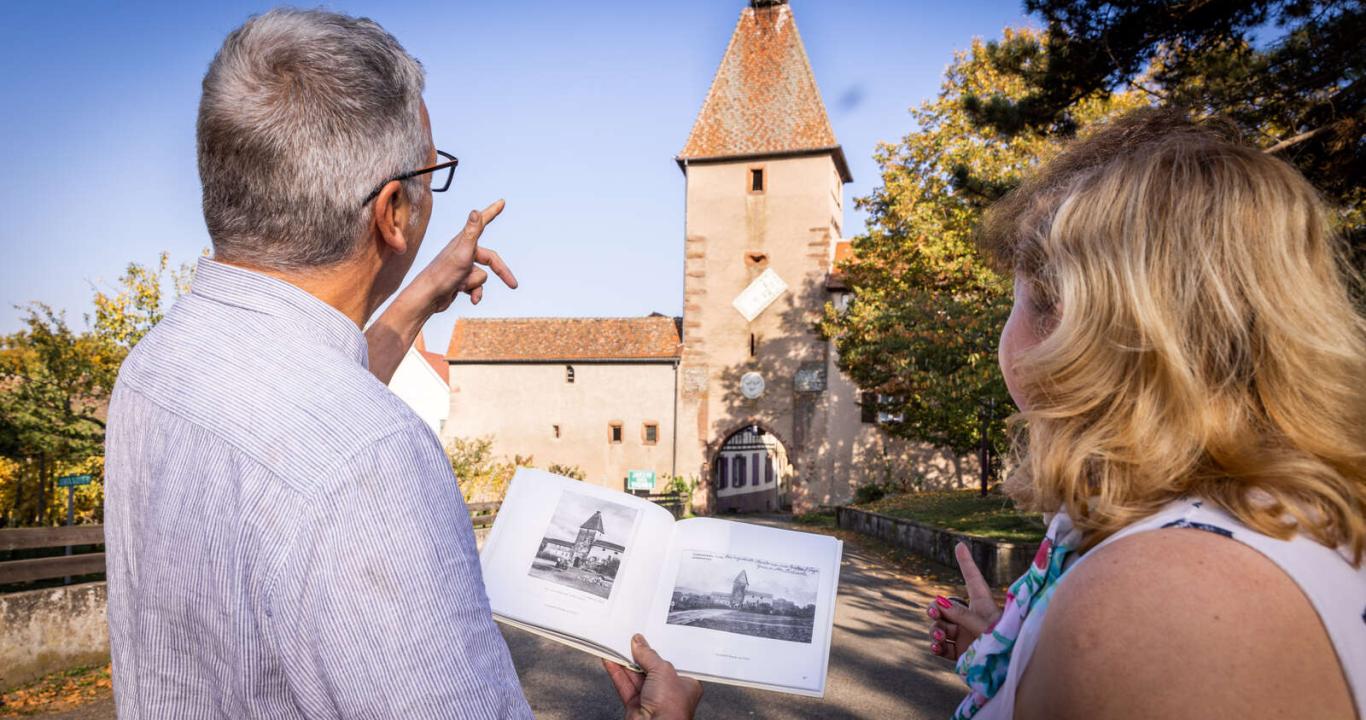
(87,563)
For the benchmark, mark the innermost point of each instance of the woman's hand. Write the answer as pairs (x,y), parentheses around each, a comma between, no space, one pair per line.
(956,625)
(658,694)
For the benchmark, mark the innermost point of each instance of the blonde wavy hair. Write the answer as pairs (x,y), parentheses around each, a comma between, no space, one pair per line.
(1199,338)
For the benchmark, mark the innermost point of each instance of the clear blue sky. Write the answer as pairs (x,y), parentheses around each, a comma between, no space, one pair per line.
(573,111)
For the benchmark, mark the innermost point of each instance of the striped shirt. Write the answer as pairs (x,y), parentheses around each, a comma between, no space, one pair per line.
(285,537)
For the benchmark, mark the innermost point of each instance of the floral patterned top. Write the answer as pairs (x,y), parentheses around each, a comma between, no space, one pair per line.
(993,665)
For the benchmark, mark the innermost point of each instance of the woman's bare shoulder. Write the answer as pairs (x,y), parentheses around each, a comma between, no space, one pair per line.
(1181,623)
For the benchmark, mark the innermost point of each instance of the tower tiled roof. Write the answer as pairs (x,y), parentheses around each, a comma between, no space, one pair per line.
(564,339)
(764,99)
(593,523)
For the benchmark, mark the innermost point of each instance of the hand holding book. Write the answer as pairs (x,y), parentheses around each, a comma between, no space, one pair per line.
(657,694)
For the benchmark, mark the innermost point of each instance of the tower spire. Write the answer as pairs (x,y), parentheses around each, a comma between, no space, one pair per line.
(763,101)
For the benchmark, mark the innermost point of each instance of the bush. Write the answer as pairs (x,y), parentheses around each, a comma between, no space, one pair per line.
(482,478)
(871,492)
(573,472)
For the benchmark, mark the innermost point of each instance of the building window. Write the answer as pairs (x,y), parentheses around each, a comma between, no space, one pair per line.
(754,468)
(753,345)
(569,373)
(556,429)
(756,180)
(884,418)
(650,433)
(722,473)
(768,469)
(737,469)
(614,433)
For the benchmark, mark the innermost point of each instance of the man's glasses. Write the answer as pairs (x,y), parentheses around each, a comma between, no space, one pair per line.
(442,173)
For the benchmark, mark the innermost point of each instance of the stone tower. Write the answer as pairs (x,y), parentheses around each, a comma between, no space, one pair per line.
(588,532)
(764,208)
(737,589)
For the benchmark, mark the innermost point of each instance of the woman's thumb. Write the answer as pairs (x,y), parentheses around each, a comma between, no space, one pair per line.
(958,615)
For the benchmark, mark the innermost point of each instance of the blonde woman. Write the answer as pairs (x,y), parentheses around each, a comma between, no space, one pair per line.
(1191,378)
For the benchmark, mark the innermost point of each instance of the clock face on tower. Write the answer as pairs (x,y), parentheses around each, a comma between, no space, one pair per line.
(752,385)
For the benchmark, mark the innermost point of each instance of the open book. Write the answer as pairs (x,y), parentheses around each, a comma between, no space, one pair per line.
(724,601)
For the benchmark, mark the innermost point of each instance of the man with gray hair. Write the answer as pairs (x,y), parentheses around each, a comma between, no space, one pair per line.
(285,538)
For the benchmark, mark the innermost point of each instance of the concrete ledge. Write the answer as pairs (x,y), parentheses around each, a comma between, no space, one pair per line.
(43,631)
(1001,562)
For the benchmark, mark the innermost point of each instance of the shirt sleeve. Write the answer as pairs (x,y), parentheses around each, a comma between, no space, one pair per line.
(380,609)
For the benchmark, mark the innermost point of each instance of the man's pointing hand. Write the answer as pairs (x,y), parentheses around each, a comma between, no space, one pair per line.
(456,268)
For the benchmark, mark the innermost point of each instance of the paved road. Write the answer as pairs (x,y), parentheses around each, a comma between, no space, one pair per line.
(878,664)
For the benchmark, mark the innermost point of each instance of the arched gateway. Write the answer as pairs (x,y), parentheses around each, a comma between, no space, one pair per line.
(751,472)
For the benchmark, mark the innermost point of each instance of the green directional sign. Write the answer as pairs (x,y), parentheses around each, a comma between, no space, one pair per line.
(74,480)
(640,480)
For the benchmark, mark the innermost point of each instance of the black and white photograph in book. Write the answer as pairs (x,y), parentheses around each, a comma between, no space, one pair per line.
(584,544)
(744,595)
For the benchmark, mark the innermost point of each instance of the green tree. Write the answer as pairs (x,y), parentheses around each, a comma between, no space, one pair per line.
(919,334)
(1290,73)
(55,383)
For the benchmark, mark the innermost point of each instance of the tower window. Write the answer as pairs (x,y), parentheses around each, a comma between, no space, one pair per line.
(753,345)
(756,180)
(614,433)
(650,433)
(556,430)
(569,374)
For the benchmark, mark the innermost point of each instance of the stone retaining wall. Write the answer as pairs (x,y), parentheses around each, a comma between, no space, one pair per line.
(1001,562)
(43,631)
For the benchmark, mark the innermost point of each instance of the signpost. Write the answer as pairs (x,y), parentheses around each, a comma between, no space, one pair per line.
(640,480)
(70,482)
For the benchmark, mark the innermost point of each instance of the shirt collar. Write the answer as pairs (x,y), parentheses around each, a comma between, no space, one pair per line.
(240,287)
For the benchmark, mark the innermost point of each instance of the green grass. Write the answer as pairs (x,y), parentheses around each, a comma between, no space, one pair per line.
(965,511)
(819,518)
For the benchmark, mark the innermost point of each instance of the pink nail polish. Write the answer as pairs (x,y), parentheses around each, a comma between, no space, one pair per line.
(943,602)
(935,648)
(934,612)
(938,635)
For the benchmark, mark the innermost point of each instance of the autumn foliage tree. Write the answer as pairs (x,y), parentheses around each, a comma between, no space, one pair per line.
(54,389)
(920,332)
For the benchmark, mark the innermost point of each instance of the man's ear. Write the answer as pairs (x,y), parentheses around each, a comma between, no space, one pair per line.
(391,210)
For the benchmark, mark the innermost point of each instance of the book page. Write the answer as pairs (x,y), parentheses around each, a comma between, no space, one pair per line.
(574,559)
(747,604)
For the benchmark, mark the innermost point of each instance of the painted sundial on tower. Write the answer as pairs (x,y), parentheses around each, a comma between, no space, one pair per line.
(752,385)
(759,295)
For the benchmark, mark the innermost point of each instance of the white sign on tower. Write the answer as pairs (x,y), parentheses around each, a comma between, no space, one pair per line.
(759,295)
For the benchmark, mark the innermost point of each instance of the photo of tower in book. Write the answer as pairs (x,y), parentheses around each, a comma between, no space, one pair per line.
(583,546)
(746,596)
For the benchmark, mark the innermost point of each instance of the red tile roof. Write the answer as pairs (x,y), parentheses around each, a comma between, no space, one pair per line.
(764,99)
(560,339)
(439,364)
(834,279)
(436,360)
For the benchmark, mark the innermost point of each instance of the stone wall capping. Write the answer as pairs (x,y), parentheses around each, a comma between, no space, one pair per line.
(1001,562)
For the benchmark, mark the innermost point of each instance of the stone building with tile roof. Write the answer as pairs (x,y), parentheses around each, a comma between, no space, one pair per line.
(740,393)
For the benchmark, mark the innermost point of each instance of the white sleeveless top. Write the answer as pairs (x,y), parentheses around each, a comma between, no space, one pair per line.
(1335,588)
